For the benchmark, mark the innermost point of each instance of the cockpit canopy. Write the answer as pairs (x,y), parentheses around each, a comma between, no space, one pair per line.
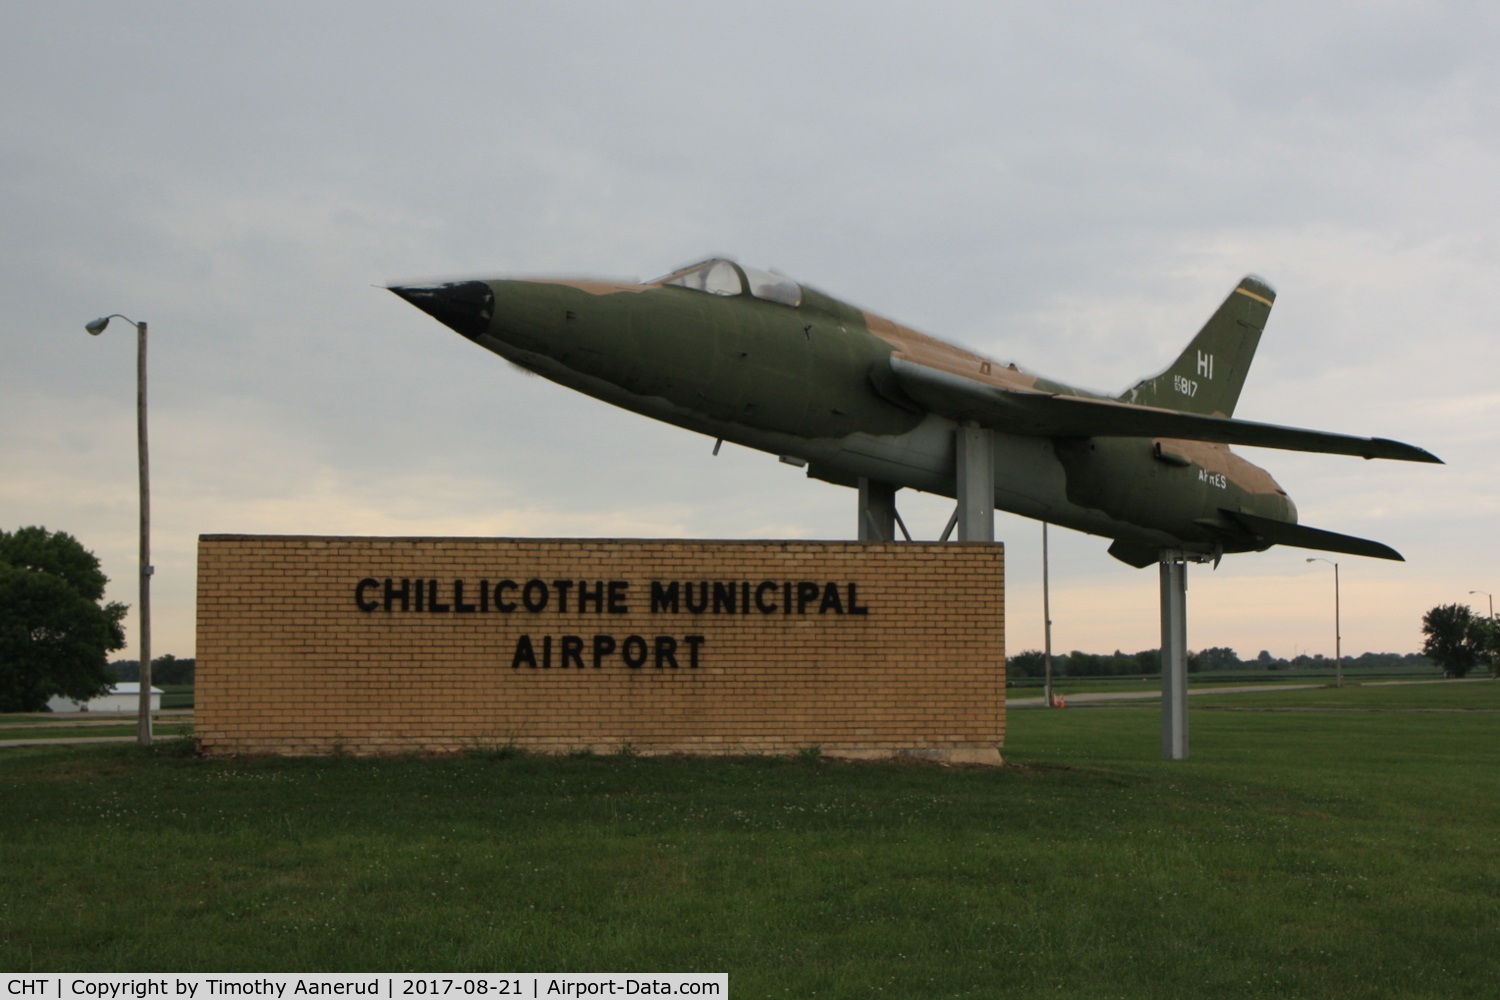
(723,277)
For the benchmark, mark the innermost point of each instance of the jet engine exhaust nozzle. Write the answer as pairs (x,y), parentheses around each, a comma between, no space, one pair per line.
(464,306)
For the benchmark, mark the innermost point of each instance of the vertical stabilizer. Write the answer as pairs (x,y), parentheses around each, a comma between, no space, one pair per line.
(1208,376)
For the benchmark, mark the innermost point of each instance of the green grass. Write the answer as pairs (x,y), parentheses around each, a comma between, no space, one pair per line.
(1388,697)
(1297,854)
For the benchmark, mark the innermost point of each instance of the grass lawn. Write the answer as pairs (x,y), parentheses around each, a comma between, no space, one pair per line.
(1483,694)
(1298,854)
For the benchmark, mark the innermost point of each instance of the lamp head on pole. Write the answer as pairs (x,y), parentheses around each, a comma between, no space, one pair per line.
(98,325)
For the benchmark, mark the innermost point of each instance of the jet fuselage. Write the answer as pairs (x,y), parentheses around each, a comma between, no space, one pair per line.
(805,376)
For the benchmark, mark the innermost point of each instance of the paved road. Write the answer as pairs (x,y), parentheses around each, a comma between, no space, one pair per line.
(69,741)
(169,717)
(1077,699)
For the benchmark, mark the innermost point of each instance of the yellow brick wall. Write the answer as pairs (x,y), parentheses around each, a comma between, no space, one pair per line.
(289,662)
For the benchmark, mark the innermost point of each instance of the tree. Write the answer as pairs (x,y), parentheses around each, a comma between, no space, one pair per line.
(1491,630)
(165,669)
(1219,658)
(1031,663)
(168,669)
(54,633)
(1456,639)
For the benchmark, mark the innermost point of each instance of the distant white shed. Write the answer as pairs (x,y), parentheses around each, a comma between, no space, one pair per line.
(120,698)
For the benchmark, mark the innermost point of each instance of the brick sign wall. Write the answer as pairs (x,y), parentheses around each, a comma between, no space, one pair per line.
(378,645)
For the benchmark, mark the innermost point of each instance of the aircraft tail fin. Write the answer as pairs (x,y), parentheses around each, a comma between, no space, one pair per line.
(1208,376)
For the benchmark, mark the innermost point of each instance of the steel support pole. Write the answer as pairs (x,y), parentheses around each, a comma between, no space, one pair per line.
(976,484)
(143,726)
(1174,717)
(877,511)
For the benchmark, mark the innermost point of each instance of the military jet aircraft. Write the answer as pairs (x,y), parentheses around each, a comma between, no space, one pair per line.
(755,358)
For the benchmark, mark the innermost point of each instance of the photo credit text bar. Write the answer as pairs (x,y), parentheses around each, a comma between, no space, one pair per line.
(301,986)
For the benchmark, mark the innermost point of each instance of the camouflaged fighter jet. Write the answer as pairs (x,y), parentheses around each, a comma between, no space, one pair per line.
(755,358)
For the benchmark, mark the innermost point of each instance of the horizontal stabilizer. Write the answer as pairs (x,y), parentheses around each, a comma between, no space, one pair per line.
(1274,532)
(1013,411)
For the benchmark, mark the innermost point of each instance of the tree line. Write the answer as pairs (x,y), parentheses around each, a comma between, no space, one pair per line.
(1456,641)
(1032,663)
(166,669)
(56,632)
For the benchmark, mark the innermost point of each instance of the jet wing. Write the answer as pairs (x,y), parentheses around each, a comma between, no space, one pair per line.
(1274,532)
(1042,414)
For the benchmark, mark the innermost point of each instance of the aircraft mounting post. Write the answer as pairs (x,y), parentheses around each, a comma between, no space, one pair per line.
(976,483)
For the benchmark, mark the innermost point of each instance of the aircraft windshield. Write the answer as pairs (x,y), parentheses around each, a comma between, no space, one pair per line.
(717,277)
(765,285)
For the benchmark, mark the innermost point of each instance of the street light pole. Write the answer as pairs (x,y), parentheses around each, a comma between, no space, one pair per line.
(1338,638)
(1047,618)
(143,722)
(1494,667)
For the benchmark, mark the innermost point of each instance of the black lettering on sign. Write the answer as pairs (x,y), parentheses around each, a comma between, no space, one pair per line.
(432,601)
(584,597)
(546,652)
(404,593)
(769,586)
(484,596)
(634,652)
(786,602)
(524,654)
(807,592)
(458,598)
(537,603)
(359,594)
(603,646)
(745,597)
(693,641)
(421,593)
(562,593)
(663,598)
(666,652)
(617,590)
(701,604)
(831,600)
(724,598)
(855,608)
(501,604)
(572,652)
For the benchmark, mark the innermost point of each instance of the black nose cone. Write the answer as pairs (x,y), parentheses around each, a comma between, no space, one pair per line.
(465,306)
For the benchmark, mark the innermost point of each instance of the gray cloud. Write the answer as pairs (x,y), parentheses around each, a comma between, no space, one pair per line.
(1071,186)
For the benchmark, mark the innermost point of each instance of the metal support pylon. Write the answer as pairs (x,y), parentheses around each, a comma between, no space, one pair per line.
(975,448)
(877,511)
(1174,695)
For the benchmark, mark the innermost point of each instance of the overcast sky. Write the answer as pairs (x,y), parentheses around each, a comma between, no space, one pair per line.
(1073,186)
